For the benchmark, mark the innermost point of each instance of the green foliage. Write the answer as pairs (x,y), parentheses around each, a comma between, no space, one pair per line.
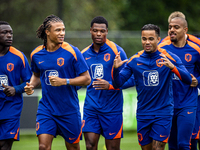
(25,16)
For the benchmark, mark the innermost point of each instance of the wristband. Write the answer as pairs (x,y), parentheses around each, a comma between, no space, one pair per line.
(67,81)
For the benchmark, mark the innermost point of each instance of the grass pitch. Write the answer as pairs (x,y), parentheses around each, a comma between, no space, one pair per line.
(30,142)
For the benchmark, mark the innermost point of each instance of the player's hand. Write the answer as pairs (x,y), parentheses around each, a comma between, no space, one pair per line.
(56,81)
(166,62)
(29,88)
(118,61)
(194,81)
(100,84)
(9,90)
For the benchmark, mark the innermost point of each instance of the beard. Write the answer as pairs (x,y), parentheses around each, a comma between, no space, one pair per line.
(174,40)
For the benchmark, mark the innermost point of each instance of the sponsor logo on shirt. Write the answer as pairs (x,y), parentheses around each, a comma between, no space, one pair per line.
(50,73)
(10,67)
(3,80)
(188,57)
(162,135)
(60,61)
(112,133)
(151,78)
(139,64)
(97,71)
(157,62)
(189,112)
(40,62)
(107,57)
(12,132)
(87,58)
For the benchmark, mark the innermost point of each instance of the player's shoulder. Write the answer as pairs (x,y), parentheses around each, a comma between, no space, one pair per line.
(86,49)
(137,55)
(115,48)
(36,50)
(169,54)
(194,46)
(71,49)
(18,53)
(15,51)
(194,39)
(164,43)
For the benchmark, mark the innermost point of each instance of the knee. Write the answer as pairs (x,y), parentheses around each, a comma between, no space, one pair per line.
(89,146)
(44,147)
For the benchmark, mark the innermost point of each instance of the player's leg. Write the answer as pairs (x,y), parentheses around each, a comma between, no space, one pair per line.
(92,130)
(112,126)
(45,141)
(147,146)
(113,144)
(194,144)
(160,131)
(185,126)
(143,130)
(70,128)
(91,140)
(9,131)
(172,143)
(196,131)
(46,129)
(6,144)
(70,146)
(158,145)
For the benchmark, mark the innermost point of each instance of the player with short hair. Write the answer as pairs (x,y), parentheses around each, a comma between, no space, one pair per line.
(194,39)
(185,96)
(60,67)
(14,68)
(102,108)
(152,69)
(189,37)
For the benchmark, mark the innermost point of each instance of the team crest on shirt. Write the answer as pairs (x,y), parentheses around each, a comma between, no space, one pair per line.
(140,138)
(157,62)
(107,57)
(188,57)
(3,80)
(37,126)
(10,67)
(60,61)
(97,71)
(151,78)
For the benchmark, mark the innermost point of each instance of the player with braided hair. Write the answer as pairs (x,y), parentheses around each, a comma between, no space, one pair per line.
(59,67)
(14,67)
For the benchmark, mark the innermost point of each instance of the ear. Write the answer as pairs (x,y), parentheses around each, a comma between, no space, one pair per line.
(159,38)
(90,29)
(186,29)
(47,32)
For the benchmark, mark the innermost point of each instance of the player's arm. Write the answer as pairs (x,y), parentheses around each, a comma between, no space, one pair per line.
(34,82)
(82,80)
(119,77)
(179,69)
(101,84)
(9,90)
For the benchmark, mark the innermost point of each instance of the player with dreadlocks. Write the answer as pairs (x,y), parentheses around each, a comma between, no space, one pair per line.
(59,67)
(14,67)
